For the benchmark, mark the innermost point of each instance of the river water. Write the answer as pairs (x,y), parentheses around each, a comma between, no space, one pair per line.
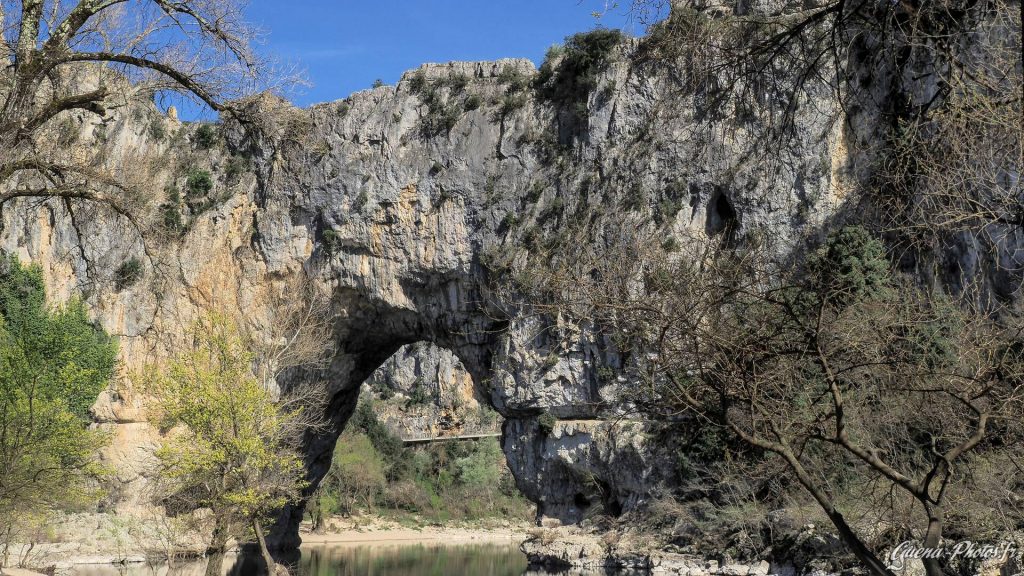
(376,560)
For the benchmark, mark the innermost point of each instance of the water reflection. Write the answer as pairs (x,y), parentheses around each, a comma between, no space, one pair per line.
(416,560)
(373,560)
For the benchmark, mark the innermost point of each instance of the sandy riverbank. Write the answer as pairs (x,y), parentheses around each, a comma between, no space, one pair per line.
(364,531)
(383,533)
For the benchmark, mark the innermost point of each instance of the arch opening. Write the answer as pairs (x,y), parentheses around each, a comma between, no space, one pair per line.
(423,444)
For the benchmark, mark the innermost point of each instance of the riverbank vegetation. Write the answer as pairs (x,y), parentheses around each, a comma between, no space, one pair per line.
(233,446)
(54,361)
(373,472)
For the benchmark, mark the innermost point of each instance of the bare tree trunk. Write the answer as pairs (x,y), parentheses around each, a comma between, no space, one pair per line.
(864,554)
(932,539)
(859,549)
(316,512)
(262,541)
(7,546)
(219,541)
(215,564)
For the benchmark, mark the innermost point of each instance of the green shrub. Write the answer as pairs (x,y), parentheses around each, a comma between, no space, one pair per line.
(205,137)
(379,386)
(418,82)
(473,102)
(361,201)
(552,211)
(515,80)
(850,265)
(439,119)
(198,183)
(510,103)
(456,82)
(568,75)
(377,83)
(234,168)
(156,129)
(365,419)
(128,273)
(420,394)
(358,469)
(509,221)
(606,374)
(482,467)
(536,190)
(331,241)
(170,211)
(546,423)
(667,211)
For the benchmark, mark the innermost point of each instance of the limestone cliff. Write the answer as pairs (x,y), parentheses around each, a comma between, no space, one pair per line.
(398,221)
(423,391)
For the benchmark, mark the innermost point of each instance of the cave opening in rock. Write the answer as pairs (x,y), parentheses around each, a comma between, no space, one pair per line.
(581,501)
(722,217)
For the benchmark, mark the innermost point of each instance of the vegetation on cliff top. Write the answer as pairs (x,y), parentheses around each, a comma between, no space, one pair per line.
(569,72)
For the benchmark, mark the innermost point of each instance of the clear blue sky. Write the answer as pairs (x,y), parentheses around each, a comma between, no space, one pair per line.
(344,45)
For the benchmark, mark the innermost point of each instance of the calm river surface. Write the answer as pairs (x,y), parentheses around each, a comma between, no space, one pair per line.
(327,560)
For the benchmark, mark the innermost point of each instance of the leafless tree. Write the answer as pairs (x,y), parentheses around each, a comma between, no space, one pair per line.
(87,58)
(843,371)
(296,332)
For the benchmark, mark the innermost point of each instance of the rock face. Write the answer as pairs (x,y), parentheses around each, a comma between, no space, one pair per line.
(397,221)
(400,222)
(423,391)
(395,201)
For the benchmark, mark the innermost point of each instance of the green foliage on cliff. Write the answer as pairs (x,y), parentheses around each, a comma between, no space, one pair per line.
(546,423)
(569,73)
(198,183)
(128,273)
(205,136)
(850,266)
(53,364)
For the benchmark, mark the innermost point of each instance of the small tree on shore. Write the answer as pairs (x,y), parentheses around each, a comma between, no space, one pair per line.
(234,445)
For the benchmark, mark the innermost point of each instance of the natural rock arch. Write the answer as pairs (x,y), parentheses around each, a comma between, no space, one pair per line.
(371,332)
